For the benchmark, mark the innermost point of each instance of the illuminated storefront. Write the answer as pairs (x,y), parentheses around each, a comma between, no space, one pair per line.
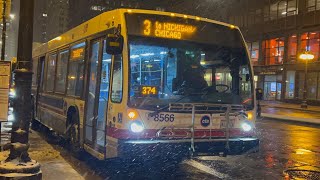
(279,71)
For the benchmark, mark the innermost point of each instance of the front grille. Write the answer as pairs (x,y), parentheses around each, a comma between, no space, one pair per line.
(206,108)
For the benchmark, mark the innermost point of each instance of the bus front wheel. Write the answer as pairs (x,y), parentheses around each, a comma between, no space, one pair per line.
(73,138)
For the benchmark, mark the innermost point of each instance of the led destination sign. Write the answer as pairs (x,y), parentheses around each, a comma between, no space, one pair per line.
(180,28)
(148,90)
(167,29)
(77,53)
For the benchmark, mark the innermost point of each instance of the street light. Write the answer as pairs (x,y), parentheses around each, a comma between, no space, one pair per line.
(306,56)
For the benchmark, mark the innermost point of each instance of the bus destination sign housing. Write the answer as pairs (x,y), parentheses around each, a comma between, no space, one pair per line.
(167,29)
(180,28)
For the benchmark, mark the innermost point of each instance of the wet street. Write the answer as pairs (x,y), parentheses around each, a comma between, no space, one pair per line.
(291,113)
(284,146)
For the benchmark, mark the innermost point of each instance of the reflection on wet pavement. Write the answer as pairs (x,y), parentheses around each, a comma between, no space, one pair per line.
(284,146)
(291,113)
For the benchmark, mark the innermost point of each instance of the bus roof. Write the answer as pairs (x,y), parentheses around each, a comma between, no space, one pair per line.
(101,23)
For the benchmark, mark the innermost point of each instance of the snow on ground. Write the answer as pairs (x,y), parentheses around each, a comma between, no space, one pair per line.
(53,165)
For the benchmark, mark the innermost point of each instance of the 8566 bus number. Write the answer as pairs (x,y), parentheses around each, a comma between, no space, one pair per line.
(163,117)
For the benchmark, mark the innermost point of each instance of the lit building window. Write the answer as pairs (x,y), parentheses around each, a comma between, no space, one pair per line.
(292,8)
(292,47)
(280,9)
(310,42)
(313,5)
(254,52)
(273,51)
(97,8)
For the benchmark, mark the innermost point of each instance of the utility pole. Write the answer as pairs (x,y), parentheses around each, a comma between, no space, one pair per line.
(19,161)
(4,29)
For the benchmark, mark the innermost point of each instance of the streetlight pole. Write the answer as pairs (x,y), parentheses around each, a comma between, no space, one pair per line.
(304,101)
(306,56)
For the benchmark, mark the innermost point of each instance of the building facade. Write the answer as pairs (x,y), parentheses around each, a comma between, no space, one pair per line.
(40,21)
(277,32)
(51,18)
(83,10)
(12,31)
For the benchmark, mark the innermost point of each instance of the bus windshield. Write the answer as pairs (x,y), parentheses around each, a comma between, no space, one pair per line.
(166,70)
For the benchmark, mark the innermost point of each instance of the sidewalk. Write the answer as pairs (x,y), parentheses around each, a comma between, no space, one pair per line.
(290,112)
(53,165)
(278,104)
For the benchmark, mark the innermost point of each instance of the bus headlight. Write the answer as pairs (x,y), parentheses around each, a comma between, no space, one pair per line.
(136,126)
(246,126)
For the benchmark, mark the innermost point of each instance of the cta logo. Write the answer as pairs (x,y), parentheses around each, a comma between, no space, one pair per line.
(205,121)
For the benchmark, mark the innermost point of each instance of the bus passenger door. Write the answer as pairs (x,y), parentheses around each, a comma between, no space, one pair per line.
(97,99)
(104,79)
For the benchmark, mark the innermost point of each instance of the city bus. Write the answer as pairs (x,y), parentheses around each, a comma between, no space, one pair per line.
(130,82)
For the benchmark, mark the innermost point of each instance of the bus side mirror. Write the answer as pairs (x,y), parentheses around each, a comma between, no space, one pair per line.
(259,93)
(114,44)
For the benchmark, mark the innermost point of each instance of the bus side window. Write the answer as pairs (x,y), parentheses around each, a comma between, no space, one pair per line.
(51,71)
(105,74)
(76,70)
(116,92)
(61,76)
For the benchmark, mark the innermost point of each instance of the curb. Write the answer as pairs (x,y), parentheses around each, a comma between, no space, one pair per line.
(21,176)
(299,109)
(295,119)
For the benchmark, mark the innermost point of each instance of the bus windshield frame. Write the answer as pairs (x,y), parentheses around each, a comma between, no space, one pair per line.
(190,62)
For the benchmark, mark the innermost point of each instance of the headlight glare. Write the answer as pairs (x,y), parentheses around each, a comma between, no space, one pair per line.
(136,127)
(246,126)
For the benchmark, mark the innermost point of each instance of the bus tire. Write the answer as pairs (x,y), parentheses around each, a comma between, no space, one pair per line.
(73,135)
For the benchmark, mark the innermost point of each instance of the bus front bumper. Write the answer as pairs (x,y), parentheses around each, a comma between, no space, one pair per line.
(135,148)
